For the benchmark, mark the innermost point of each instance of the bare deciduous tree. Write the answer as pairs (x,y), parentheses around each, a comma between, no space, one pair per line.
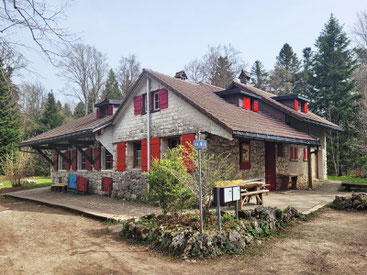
(218,66)
(85,68)
(360,30)
(128,72)
(32,98)
(360,39)
(40,19)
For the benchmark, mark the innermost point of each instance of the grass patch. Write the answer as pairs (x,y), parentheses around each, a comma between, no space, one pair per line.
(40,182)
(348,179)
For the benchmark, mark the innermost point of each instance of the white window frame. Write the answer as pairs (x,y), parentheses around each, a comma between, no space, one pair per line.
(156,101)
(103,160)
(79,162)
(60,160)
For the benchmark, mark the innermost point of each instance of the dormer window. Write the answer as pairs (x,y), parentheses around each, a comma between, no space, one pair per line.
(295,101)
(250,104)
(107,107)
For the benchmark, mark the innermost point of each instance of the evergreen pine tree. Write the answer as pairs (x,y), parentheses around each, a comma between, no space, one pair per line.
(332,94)
(79,110)
(283,76)
(302,83)
(67,110)
(259,75)
(288,59)
(111,90)
(51,117)
(222,74)
(10,132)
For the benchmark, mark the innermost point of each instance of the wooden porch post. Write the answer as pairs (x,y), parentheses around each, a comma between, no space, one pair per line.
(309,167)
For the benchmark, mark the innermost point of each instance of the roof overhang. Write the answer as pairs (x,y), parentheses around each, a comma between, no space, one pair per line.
(331,127)
(84,133)
(236,91)
(292,96)
(264,137)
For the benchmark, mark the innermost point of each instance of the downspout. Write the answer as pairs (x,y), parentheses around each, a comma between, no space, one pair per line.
(148,124)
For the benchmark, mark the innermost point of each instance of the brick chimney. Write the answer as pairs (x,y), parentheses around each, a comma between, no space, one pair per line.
(181,75)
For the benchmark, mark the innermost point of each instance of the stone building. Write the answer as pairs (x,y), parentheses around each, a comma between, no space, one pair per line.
(267,136)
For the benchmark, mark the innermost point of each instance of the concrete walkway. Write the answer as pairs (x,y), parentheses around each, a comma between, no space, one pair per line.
(107,208)
(91,205)
(305,201)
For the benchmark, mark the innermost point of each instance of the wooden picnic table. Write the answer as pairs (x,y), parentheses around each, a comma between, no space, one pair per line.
(289,179)
(249,188)
(253,189)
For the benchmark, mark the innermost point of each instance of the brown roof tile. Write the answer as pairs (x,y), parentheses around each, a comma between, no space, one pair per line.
(83,125)
(229,116)
(300,115)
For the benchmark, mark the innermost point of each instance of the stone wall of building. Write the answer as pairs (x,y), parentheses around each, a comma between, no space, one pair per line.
(218,145)
(128,184)
(179,118)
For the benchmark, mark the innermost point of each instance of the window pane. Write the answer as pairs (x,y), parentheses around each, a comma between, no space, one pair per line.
(245,152)
(156,101)
(108,160)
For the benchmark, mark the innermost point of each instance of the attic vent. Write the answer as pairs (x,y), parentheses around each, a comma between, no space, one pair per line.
(181,75)
(244,77)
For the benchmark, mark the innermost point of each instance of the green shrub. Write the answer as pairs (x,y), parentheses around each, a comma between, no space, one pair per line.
(164,186)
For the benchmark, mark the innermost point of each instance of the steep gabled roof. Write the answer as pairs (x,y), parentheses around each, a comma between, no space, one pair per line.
(77,128)
(270,99)
(233,118)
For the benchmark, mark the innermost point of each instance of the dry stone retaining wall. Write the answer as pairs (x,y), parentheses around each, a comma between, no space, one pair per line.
(187,242)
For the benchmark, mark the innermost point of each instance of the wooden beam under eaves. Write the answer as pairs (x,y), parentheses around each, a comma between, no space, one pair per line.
(81,142)
(84,154)
(65,157)
(43,155)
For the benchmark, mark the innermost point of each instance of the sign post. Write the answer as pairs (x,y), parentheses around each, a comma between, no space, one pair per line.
(226,194)
(199,145)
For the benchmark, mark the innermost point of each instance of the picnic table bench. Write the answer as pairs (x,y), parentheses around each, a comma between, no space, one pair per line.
(249,188)
(59,187)
(349,185)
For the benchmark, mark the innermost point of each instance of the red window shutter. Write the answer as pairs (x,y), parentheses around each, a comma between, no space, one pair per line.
(144,154)
(73,160)
(296,104)
(296,153)
(55,161)
(187,141)
(88,165)
(110,110)
(67,164)
(256,105)
(137,105)
(98,113)
(306,108)
(163,98)
(304,153)
(97,158)
(247,103)
(121,156)
(155,146)
(291,148)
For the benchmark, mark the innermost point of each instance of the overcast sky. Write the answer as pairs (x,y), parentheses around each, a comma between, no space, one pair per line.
(166,35)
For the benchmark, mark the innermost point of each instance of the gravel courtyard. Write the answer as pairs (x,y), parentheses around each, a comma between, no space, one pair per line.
(36,239)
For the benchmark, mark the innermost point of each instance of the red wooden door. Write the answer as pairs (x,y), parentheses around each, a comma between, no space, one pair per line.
(270,169)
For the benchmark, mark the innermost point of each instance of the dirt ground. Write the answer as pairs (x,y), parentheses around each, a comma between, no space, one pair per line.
(36,239)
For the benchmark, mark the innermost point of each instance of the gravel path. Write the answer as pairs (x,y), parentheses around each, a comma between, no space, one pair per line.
(36,239)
